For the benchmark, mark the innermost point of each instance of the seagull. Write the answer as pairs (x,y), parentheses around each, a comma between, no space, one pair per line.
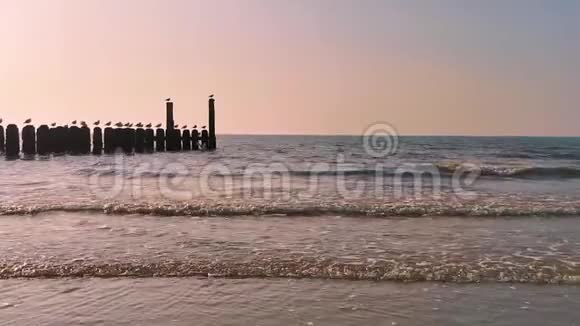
(108,123)
(98,122)
(184,127)
(148,125)
(28,121)
(139,125)
(0,120)
(203,127)
(211,96)
(119,124)
(127,124)
(176,126)
(195,127)
(83,124)
(168,100)
(74,122)
(53,124)
(158,126)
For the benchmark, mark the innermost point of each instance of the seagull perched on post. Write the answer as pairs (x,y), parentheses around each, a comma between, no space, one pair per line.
(28,121)
(108,123)
(148,125)
(83,124)
(158,126)
(203,127)
(53,124)
(98,122)
(74,122)
(195,127)
(211,96)
(0,120)
(139,125)
(184,127)
(168,100)
(119,124)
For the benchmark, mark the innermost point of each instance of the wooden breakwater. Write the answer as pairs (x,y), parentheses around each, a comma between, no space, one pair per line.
(81,140)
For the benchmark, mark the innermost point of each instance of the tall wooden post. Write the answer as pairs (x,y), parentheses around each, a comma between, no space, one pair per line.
(169,111)
(212,142)
(170,135)
(12,141)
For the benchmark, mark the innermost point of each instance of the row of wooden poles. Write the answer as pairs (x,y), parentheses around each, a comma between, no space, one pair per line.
(80,141)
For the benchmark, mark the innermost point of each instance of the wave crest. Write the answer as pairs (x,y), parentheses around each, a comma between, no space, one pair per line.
(311,210)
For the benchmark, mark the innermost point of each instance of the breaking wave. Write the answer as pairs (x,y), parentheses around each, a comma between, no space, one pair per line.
(445,170)
(393,270)
(517,172)
(311,210)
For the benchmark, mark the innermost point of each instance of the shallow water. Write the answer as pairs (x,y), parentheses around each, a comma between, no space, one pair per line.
(194,301)
(296,230)
(527,250)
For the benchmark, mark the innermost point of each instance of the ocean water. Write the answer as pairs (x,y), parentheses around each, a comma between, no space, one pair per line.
(379,239)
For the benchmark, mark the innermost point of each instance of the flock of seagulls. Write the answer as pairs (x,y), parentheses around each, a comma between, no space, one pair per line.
(118,124)
(108,124)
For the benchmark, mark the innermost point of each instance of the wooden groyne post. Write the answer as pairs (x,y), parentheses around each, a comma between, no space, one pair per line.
(140,140)
(172,141)
(43,140)
(160,140)
(85,146)
(12,141)
(149,140)
(2,142)
(29,140)
(212,142)
(186,140)
(195,140)
(97,141)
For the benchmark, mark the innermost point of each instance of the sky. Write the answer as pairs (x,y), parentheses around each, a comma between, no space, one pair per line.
(428,67)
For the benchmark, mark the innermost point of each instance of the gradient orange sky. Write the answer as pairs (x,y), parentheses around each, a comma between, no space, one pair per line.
(488,67)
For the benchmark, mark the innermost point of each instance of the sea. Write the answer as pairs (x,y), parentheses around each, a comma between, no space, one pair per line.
(296,230)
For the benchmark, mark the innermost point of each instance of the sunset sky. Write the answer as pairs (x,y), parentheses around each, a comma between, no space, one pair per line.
(429,67)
